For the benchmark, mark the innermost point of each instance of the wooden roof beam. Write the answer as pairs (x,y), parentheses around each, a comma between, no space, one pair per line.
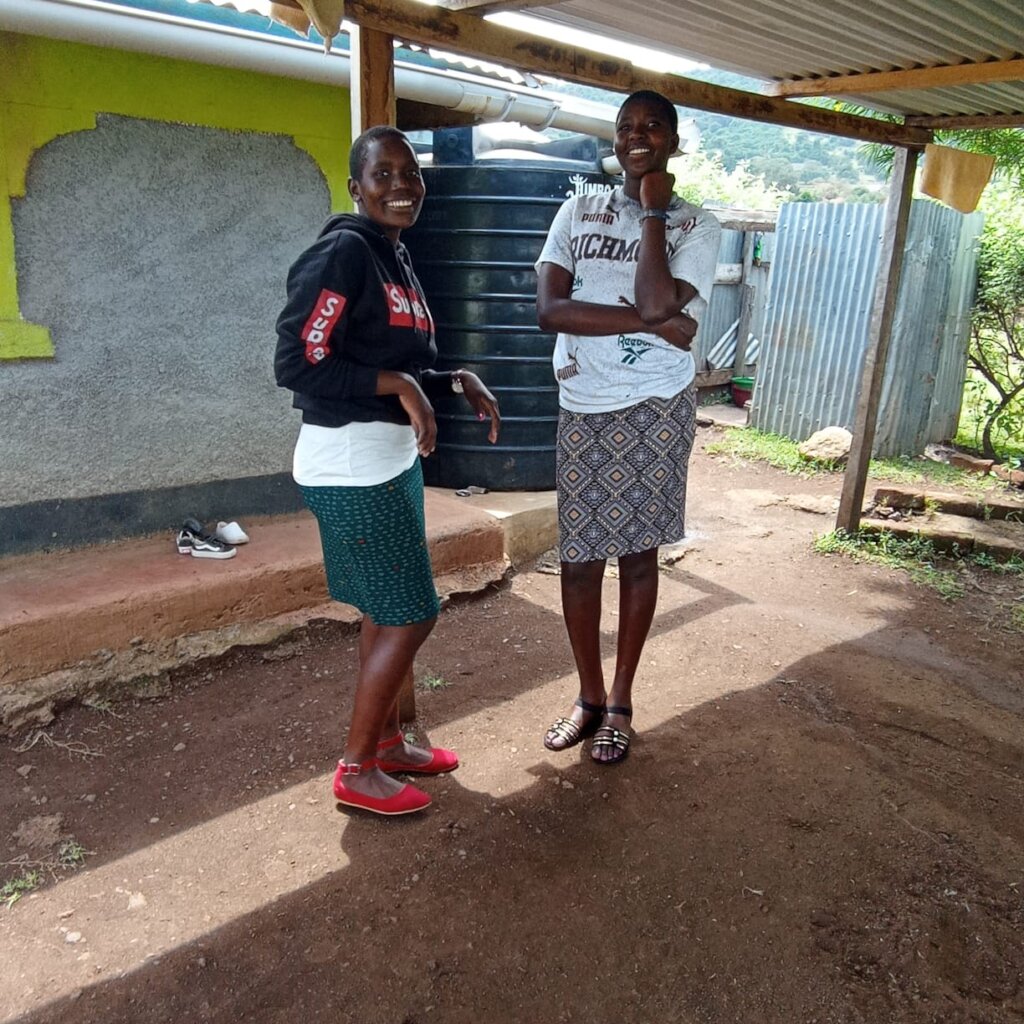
(916,78)
(474,37)
(482,7)
(968,121)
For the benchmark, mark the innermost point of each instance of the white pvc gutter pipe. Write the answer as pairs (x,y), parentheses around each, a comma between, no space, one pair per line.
(108,25)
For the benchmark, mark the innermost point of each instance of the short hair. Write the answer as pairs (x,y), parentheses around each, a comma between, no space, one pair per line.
(666,105)
(357,154)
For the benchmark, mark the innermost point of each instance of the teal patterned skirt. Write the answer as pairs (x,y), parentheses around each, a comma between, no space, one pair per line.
(375,548)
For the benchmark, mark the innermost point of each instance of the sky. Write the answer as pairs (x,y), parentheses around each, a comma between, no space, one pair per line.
(640,56)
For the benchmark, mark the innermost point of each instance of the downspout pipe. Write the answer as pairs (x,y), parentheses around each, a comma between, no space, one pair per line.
(111,26)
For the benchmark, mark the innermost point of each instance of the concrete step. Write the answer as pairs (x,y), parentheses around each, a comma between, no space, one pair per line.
(999,538)
(74,622)
(990,507)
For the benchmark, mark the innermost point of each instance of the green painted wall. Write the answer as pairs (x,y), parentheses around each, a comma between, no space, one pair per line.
(50,88)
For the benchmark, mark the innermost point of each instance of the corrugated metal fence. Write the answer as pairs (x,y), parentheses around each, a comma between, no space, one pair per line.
(715,346)
(819,307)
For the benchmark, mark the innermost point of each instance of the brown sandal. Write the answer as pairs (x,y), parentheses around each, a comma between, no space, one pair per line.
(566,730)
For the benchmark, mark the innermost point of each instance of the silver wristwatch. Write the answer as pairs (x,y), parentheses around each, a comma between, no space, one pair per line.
(457,382)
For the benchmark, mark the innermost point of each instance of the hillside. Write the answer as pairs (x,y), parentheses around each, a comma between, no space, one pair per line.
(804,165)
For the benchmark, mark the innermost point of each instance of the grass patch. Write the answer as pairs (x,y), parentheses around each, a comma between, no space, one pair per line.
(721,396)
(904,469)
(71,854)
(1017,617)
(915,556)
(14,888)
(101,703)
(1011,567)
(783,453)
(778,451)
(431,682)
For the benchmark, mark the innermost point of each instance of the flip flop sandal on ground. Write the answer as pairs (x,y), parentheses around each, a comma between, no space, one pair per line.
(568,732)
(609,738)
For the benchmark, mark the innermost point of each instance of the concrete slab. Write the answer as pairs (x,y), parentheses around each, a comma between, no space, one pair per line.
(724,415)
(528,519)
(1002,539)
(71,621)
(992,506)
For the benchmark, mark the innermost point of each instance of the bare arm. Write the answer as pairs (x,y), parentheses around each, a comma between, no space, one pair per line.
(415,404)
(659,295)
(557,312)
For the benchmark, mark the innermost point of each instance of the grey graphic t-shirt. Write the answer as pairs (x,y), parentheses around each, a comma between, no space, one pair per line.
(597,238)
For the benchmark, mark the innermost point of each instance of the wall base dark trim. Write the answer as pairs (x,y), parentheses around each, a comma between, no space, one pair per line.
(74,522)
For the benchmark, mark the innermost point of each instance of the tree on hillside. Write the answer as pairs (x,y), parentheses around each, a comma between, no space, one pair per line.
(995,386)
(1005,144)
(701,178)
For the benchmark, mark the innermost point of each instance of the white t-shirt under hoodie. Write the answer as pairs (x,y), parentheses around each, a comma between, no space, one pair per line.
(355,455)
(597,239)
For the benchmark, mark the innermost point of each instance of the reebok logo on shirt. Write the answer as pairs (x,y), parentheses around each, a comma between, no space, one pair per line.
(633,349)
(317,332)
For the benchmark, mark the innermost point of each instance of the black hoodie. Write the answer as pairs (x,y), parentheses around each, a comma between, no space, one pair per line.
(354,307)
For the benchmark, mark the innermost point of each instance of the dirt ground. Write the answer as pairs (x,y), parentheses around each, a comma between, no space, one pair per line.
(820,820)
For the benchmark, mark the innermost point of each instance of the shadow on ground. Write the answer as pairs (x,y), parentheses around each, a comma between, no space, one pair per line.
(825,846)
(819,822)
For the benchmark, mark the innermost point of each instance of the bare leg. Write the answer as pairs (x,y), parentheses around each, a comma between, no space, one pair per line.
(581,606)
(385,655)
(638,596)
(405,752)
(368,633)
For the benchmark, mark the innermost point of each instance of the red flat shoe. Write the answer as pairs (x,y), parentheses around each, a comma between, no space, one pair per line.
(441,760)
(407,800)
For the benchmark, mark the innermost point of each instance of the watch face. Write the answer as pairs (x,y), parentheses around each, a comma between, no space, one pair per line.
(457,385)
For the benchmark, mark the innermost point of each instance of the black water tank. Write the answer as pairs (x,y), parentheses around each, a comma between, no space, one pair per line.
(481,229)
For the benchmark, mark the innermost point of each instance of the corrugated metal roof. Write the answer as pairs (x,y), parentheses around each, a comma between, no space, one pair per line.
(491,70)
(782,40)
(778,40)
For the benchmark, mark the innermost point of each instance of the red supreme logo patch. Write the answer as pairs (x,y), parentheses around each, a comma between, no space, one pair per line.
(420,311)
(317,332)
(399,307)
(405,307)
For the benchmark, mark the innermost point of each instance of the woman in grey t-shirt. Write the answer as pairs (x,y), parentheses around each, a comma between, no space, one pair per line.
(624,278)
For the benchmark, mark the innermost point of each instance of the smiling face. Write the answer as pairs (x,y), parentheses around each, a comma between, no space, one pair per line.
(644,139)
(389,189)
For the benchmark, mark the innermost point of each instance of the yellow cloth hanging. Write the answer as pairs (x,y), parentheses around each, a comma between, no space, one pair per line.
(955,177)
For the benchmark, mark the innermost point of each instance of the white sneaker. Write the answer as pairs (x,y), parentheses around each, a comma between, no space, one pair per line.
(231,533)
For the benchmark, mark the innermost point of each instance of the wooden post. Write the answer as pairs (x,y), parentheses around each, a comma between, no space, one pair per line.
(374,103)
(373,79)
(739,368)
(897,214)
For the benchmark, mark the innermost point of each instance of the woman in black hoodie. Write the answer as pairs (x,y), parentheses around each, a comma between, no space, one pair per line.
(355,344)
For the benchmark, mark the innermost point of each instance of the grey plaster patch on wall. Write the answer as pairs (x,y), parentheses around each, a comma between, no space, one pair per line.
(157,255)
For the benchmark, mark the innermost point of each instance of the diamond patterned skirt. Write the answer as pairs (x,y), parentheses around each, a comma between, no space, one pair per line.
(621,477)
